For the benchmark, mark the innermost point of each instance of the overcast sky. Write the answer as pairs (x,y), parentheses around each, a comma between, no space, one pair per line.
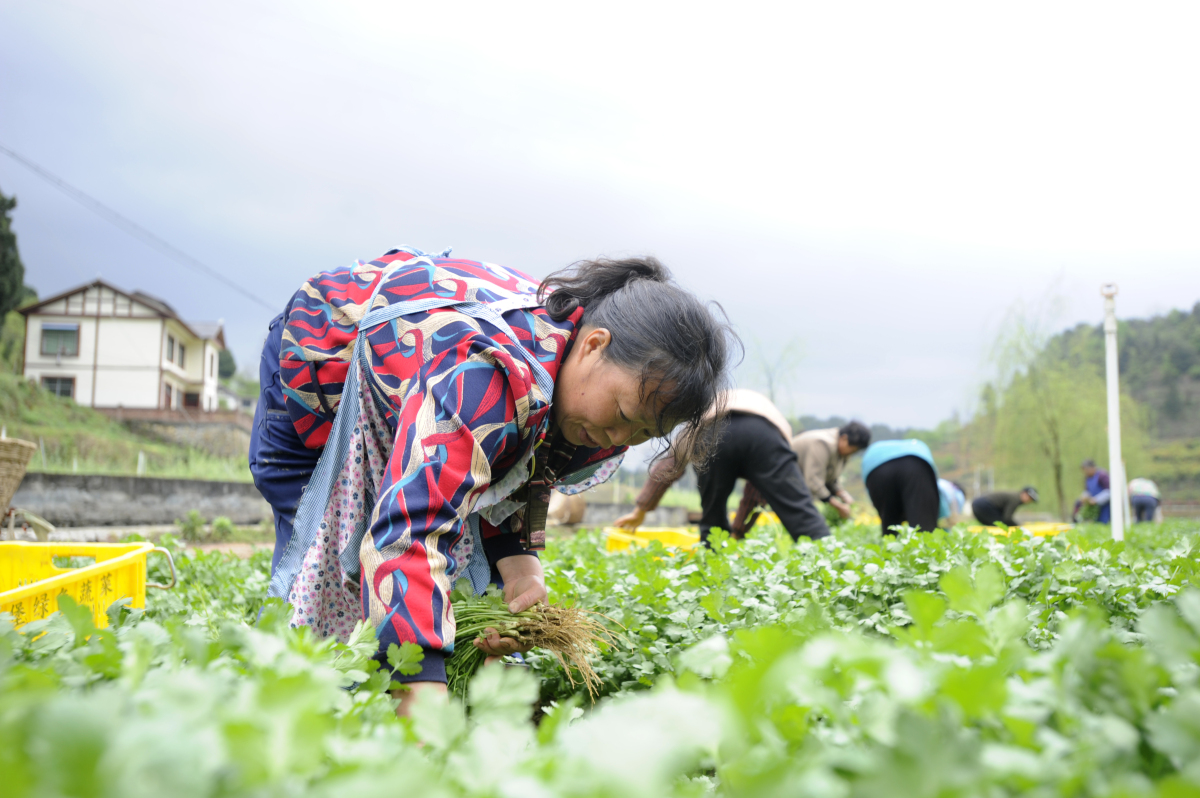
(877,184)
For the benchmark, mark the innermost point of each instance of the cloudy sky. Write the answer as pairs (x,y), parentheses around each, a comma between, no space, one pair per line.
(873,186)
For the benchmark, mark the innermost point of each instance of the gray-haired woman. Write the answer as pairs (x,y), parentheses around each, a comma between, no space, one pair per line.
(417,410)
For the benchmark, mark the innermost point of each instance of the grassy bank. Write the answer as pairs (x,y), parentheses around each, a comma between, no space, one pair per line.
(72,438)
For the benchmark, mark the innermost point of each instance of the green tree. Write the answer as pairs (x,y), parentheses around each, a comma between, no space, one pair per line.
(12,272)
(226,365)
(12,341)
(1051,412)
(1160,364)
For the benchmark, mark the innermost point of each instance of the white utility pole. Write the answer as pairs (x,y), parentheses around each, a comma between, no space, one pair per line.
(1116,465)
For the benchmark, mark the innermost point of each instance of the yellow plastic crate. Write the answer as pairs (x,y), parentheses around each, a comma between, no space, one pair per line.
(764,518)
(863,517)
(1041,529)
(30,582)
(679,537)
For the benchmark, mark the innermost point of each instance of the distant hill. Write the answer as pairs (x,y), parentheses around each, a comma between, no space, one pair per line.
(1159,364)
(1160,369)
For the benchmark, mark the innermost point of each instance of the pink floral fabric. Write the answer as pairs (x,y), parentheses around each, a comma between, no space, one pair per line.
(324,595)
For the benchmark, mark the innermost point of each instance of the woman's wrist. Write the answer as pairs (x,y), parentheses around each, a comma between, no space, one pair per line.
(524,581)
(516,566)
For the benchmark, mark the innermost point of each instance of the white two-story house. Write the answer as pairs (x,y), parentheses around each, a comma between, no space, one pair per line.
(106,348)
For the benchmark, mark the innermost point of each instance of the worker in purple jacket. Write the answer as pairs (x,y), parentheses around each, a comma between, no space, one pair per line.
(1096,491)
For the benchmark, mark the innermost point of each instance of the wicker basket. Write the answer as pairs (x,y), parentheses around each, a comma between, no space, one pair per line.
(14,457)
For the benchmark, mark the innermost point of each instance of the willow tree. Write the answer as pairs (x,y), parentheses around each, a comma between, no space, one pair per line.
(777,365)
(1051,414)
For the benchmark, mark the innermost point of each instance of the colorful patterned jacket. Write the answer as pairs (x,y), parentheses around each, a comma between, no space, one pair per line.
(462,404)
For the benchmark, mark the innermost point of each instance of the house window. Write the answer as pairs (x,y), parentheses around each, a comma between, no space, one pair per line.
(60,339)
(212,364)
(191,400)
(170,349)
(182,355)
(168,395)
(60,386)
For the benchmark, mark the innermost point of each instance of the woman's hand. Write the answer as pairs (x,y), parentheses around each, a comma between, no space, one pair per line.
(524,586)
(524,581)
(631,520)
(841,506)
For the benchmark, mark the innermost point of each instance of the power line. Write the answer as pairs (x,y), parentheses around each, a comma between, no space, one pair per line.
(131,227)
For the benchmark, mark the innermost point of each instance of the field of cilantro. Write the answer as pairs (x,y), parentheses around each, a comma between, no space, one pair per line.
(937,664)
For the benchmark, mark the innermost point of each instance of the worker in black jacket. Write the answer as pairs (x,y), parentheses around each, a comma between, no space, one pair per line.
(754,445)
(1000,507)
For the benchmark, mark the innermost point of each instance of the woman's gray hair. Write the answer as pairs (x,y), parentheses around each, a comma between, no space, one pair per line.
(677,345)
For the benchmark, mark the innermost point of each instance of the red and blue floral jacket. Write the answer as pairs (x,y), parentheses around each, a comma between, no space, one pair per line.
(462,406)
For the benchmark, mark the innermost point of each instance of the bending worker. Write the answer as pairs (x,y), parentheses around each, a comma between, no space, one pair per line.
(901,479)
(1144,498)
(823,454)
(953,501)
(1001,507)
(1095,492)
(753,445)
(445,398)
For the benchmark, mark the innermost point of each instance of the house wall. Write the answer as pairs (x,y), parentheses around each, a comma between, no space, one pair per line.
(127,363)
(133,389)
(171,367)
(191,377)
(122,355)
(209,400)
(38,365)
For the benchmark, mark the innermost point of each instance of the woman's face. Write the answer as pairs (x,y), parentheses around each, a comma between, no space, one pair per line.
(596,402)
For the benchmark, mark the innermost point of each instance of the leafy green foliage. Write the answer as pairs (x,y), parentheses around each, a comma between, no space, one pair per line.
(858,580)
(925,665)
(1159,361)
(222,528)
(12,342)
(226,365)
(832,517)
(212,588)
(12,272)
(191,526)
(405,658)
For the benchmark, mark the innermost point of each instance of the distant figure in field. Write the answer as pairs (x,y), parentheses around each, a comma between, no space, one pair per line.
(1001,507)
(1096,492)
(902,479)
(754,445)
(953,501)
(1144,498)
(823,454)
